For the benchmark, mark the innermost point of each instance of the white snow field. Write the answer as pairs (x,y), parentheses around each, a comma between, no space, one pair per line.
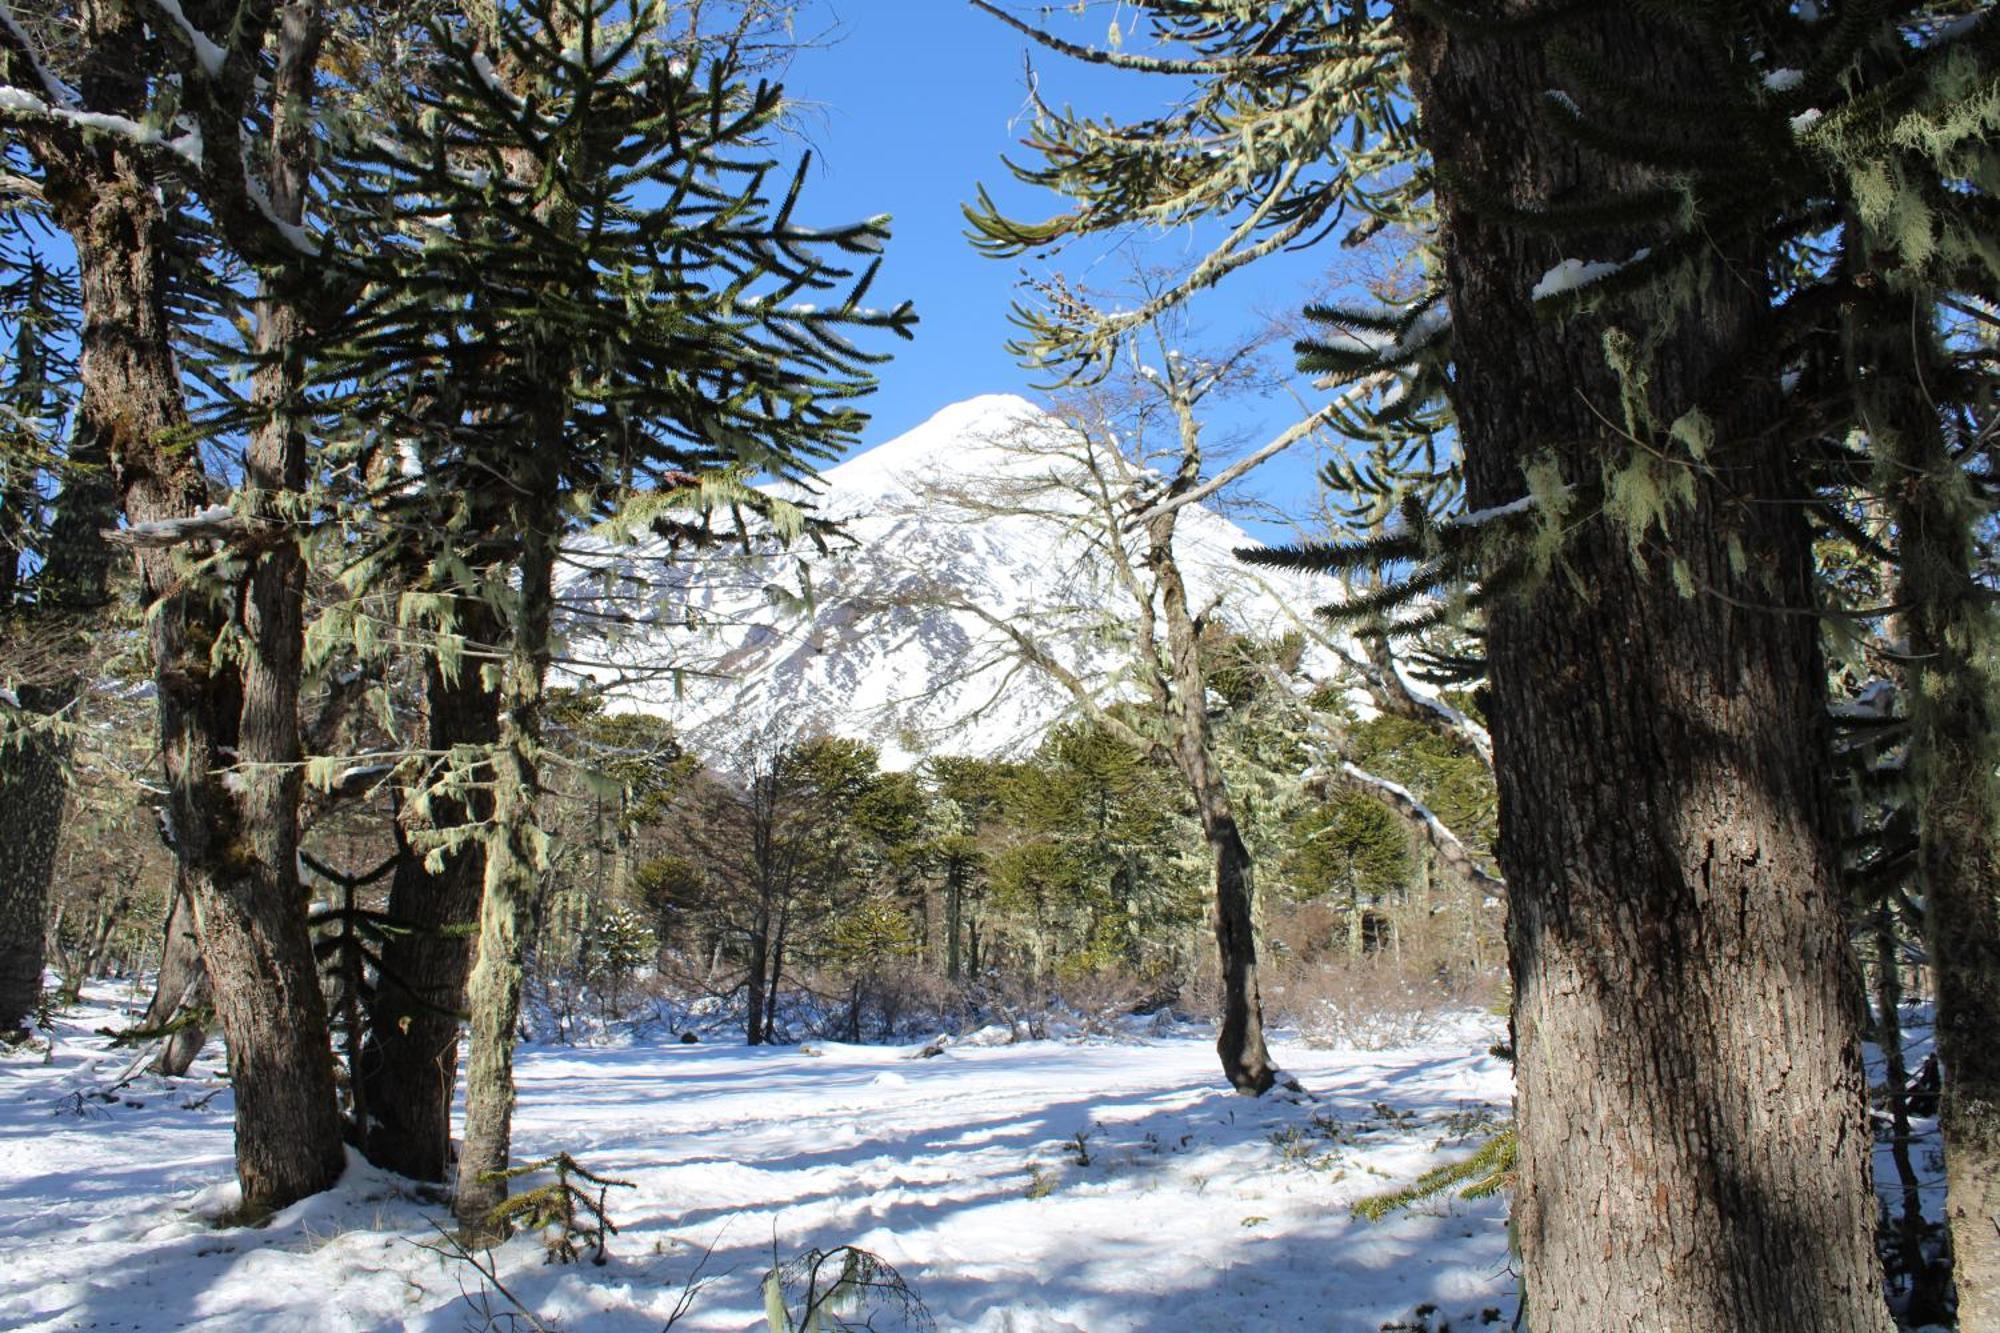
(1196,1208)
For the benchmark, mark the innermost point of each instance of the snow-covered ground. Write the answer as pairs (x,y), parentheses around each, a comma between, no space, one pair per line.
(1046,1185)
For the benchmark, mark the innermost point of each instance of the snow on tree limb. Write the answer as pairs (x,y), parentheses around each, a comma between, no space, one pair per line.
(1435,832)
(215,523)
(60,93)
(206,53)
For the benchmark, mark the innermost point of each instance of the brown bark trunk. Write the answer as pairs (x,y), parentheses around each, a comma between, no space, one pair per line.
(1951,691)
(409,1064)
(34,789)
(248,911)
(254,931)
(1693,1148)
(181,992)
(760,961)
(1239,1039)
(514,857)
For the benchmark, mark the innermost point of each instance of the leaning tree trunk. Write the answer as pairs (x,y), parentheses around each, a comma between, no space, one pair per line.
(1951,686)
(1241,1037)
(1239,1040)
(409,1062)
(181,999)
(34,789)
(1693,1141)
(1183,691)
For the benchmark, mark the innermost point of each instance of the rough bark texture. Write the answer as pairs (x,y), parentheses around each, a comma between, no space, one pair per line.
(409,1064)
(250,910)
(1693,1148)
(1239,1039)
(249,913)
(514,859)
(1951,690)
(181,994)
(33,792)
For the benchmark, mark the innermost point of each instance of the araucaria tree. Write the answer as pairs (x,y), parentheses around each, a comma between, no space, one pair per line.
(1675,923)
(87,104)
(582,301)
(1637,549)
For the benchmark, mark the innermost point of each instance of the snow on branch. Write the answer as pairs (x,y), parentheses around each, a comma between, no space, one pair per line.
(215,523)
(206,53)
(60,93)
(1441,839)
(21,105)
(1575,274)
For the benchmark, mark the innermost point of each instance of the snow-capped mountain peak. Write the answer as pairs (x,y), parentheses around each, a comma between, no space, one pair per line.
(964,547)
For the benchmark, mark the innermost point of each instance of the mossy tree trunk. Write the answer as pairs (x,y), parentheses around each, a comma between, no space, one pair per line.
(409,1062)
(515,845)
(1693,1143)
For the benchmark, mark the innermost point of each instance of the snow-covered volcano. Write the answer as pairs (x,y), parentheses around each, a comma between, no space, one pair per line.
(967,553)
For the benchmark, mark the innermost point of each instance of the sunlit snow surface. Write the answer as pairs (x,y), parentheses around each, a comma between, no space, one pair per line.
(881,651)
(1199,1209)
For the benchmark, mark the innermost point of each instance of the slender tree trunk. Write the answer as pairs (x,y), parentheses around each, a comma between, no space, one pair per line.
(515,856)
(776,976)
(1240,1039)
(954,916)
(1691,1107)
(34,778)
(760,963)
(181,991)
(33,793)
(108,917)
(1951,686)
(1928,1289)
(409,1062)
(18,510)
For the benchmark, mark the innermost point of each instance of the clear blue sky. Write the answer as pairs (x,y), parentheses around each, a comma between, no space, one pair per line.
(910,105)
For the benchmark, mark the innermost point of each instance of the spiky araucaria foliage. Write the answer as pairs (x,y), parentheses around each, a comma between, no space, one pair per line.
(576,216)
(1290,127)
(578,292)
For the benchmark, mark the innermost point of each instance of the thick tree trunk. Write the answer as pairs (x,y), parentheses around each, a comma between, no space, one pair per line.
(251,911)
(249,914)
(409,1063)
(1693,1145)
(33,792)
(181,993)
(1951,636)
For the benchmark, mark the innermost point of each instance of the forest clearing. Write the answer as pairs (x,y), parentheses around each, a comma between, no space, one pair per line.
(1100,1184)
(881,664)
